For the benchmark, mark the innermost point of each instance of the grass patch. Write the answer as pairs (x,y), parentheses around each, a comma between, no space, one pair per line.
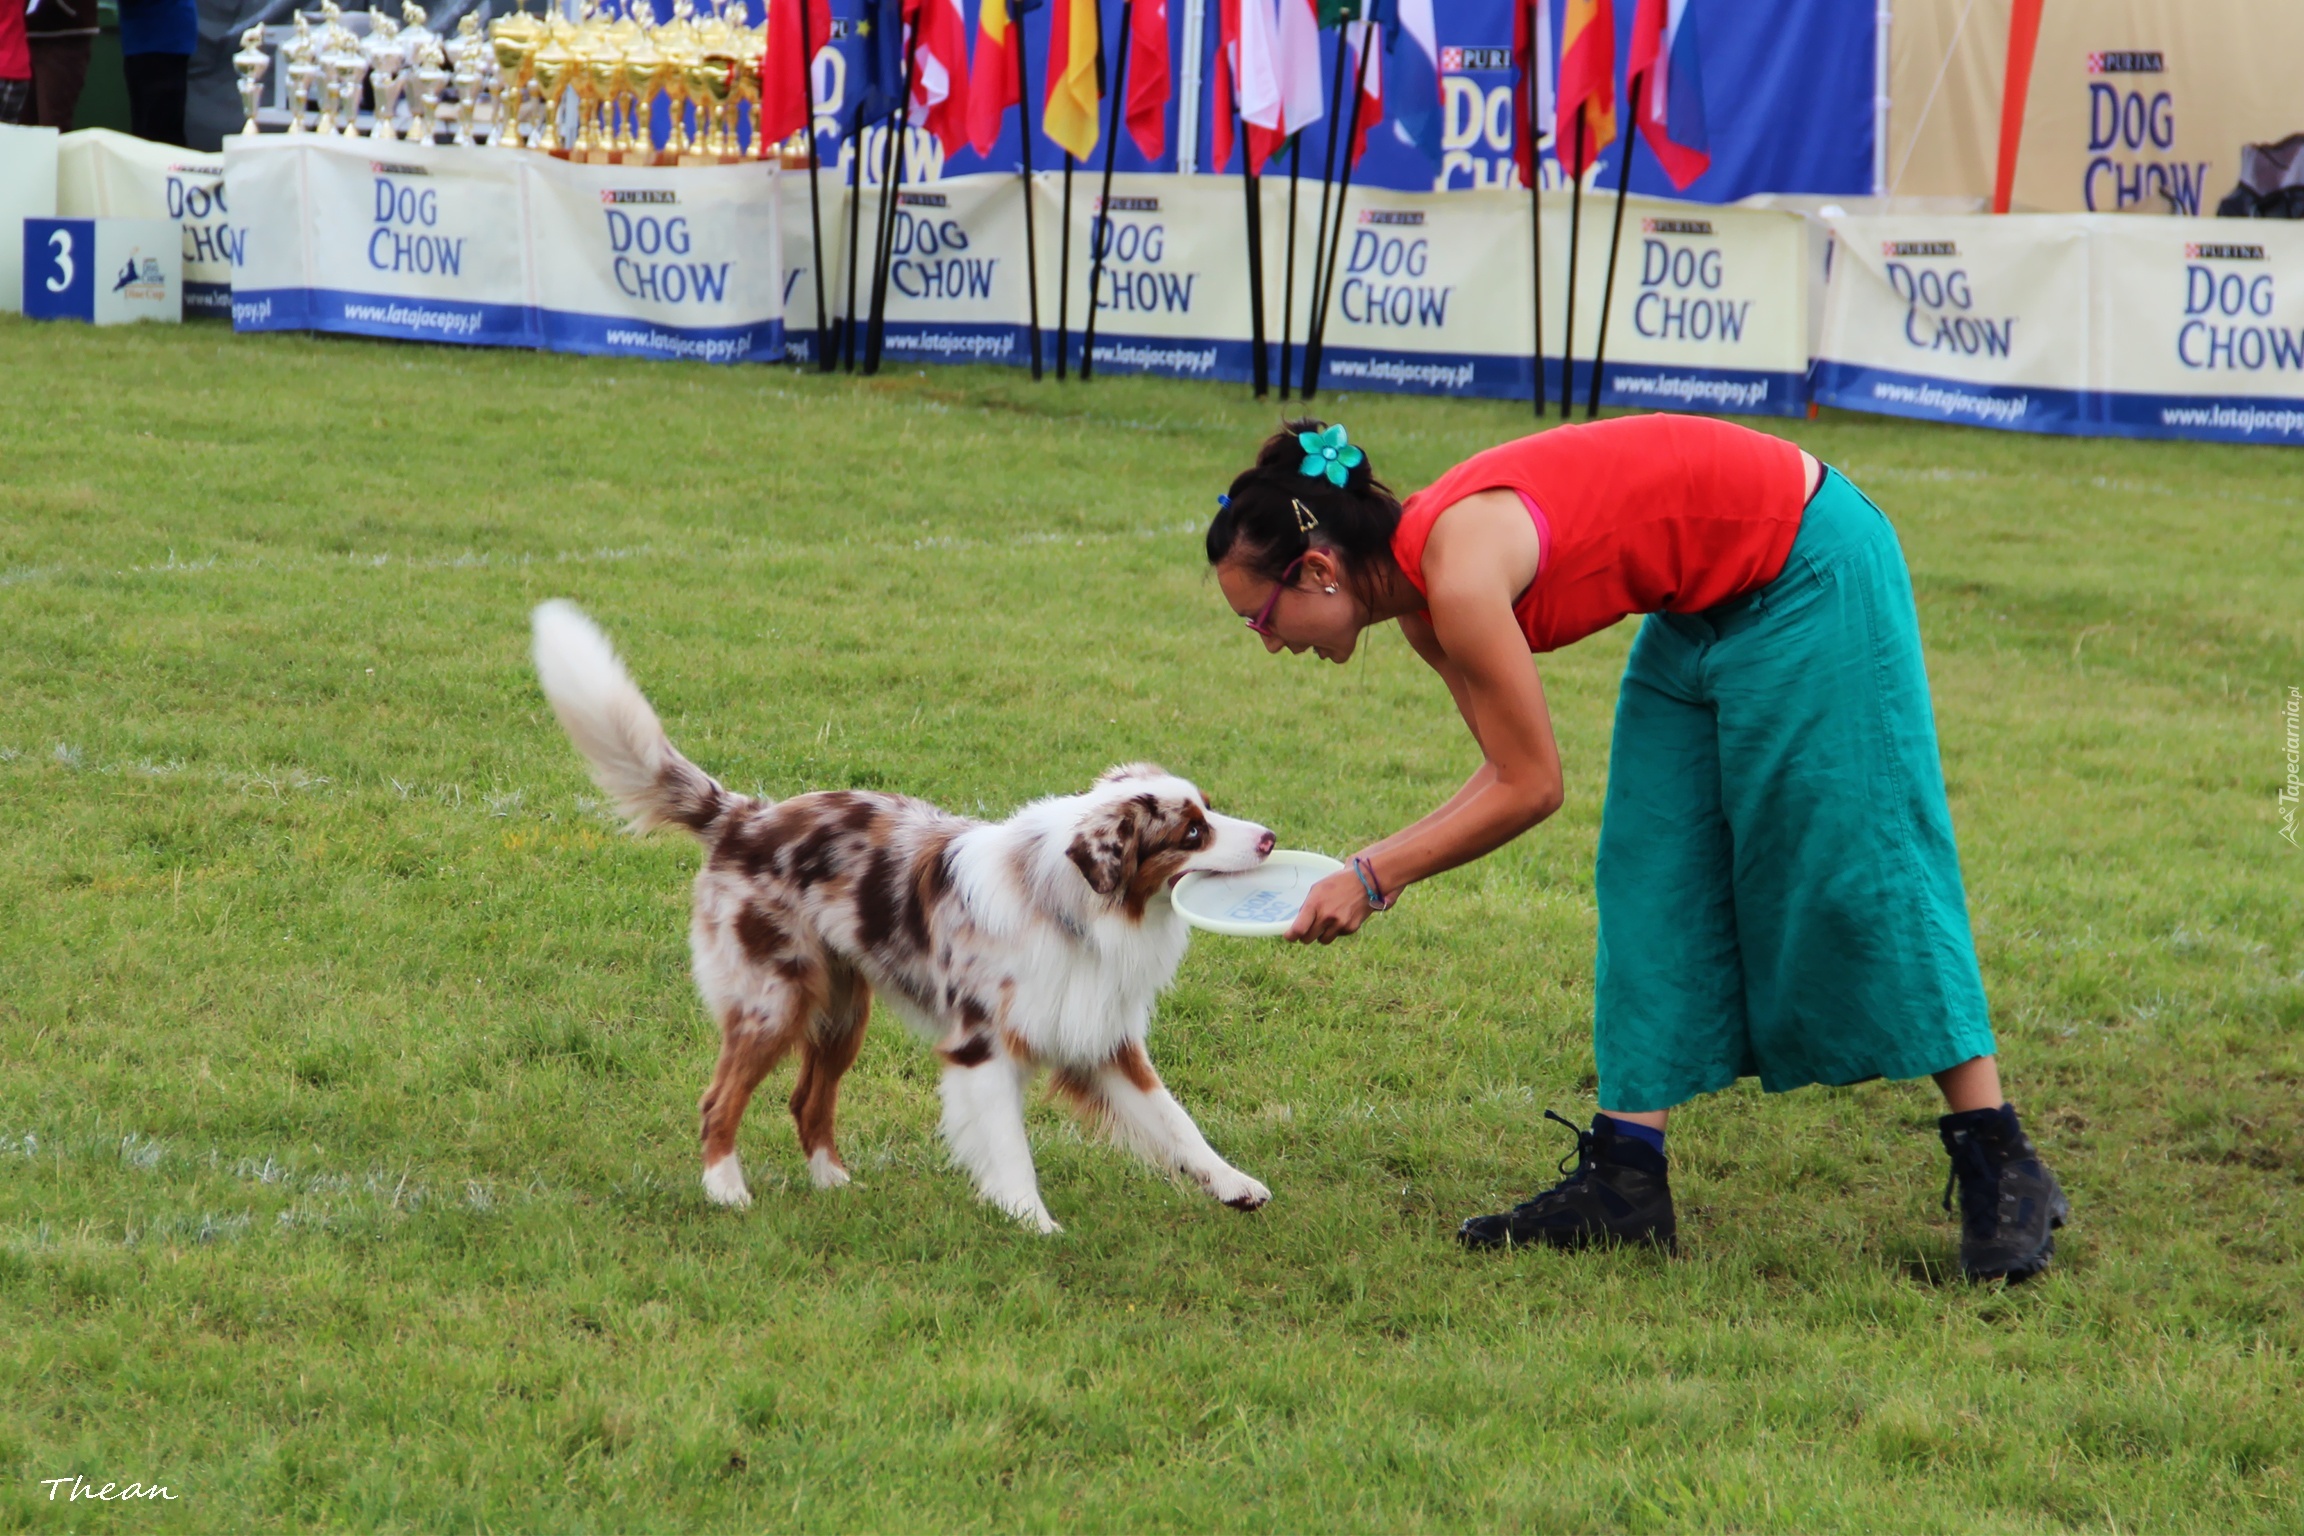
(347,1164)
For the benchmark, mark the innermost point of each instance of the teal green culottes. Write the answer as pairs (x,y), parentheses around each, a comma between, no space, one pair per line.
(1778,887)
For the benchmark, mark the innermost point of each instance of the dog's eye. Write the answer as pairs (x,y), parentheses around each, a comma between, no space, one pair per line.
(1195,835)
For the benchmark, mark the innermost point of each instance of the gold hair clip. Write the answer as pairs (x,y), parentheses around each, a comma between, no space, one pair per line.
(1305,521)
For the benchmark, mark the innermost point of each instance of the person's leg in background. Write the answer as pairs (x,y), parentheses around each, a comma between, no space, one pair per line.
(15,63)
(156,95)
(59,70)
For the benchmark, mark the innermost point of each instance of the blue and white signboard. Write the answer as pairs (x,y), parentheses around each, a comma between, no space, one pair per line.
(103,271)
(2072,323)
(656,261)
(411,241)
(102,174)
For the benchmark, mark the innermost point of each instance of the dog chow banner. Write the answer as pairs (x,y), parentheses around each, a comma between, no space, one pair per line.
(2198,328)
(655,262)
(2071,323)
(958,289)
(1983,321)
(1435,293)
(1172,295)
(105,175)
(409,241)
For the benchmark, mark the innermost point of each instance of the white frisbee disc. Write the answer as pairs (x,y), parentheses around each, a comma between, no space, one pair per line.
(1258,903)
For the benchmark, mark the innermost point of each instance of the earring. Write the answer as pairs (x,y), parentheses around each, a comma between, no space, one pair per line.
(1331,591)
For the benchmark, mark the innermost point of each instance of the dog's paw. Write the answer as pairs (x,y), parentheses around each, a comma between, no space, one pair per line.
(724,1183)
(825,1169)
(1237,1190)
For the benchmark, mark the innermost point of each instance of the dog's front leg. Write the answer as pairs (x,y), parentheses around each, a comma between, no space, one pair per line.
(1128,1095)
(984,1127)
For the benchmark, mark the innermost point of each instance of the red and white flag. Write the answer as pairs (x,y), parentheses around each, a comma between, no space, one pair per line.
(1364,35)
(1259,82)
(1296,60)
(940,71)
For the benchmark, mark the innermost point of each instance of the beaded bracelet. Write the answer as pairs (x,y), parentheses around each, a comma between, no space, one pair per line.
(1366,873)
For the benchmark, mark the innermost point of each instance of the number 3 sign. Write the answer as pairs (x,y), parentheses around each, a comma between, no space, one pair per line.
(104,271)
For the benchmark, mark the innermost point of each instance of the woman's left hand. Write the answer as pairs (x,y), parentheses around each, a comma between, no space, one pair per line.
(1337,906)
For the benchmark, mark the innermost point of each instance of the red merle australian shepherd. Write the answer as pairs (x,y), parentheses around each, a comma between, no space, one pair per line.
(1040,941)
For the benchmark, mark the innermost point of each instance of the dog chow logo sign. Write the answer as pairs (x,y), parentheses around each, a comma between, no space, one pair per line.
(2133,162)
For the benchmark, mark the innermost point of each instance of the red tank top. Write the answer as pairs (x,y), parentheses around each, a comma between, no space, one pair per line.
(1643,514)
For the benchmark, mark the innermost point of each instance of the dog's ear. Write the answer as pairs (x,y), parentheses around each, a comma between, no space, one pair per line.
(1105,848)
(1124,771)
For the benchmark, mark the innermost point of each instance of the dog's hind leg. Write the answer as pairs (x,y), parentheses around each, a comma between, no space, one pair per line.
(827,1050)
(983,1091)
(1127,1098)
(750,1046)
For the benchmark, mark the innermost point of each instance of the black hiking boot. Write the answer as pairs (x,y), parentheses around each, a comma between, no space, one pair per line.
(2010,1204)
(1617,1194)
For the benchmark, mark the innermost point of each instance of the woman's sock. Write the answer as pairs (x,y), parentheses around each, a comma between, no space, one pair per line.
(1648,1134)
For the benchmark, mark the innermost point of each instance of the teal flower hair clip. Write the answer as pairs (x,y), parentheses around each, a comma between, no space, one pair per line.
(1329,454)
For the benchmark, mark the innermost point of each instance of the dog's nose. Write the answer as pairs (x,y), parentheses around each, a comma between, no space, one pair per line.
(1264,845)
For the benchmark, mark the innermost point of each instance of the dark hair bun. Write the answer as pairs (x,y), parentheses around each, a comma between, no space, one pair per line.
(1261,523)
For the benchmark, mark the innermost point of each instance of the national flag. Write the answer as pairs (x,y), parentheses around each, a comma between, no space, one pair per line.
(1074,92)
(1148,82)
(880,61)
(1296,60)
(1587,89)
(1363,35)
(788,66)
(1533,61)
(1412,95)
(1259,83)
(940,72)
(1670,104)
(993,83)
(1223,99)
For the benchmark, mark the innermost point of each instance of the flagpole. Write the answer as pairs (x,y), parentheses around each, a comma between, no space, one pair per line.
(1288,269)
(1568,320)
(1315,345)
(815,205)
(1320,228)
(1259,365)
(1616,235)
(1097,247)
(877,335)
(1536,210)
(1024,136)
(1064,273)
(855,237)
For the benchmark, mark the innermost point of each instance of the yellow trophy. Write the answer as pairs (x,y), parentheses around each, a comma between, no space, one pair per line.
(555,67)
(516,38)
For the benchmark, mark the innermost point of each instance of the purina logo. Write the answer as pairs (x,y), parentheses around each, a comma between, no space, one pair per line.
(2153,63)
(1676,226)
(922,200)
(195,170)
(1464,61)
(2224,253)
(652,195)
(1411,218)
(387,168)
(1130,205)
(1918,248)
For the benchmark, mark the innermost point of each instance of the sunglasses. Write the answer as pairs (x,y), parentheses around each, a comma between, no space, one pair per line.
(1261,623)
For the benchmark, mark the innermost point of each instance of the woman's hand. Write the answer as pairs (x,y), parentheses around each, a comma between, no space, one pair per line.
(1337,906)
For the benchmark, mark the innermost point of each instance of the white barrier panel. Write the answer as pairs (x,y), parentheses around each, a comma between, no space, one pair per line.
(105,175)
(796,238)
(2199,328)
(1975,320)
(655,262)
(27,191)
(2071,323)
(1433,293)
(413,241)
(957,285)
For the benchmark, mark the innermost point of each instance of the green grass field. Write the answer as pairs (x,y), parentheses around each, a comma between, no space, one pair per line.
(347,1122)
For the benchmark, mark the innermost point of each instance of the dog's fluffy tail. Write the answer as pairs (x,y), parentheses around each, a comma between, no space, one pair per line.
(612,725)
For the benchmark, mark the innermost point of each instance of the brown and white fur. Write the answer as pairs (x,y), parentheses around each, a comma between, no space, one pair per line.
(1040,941)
